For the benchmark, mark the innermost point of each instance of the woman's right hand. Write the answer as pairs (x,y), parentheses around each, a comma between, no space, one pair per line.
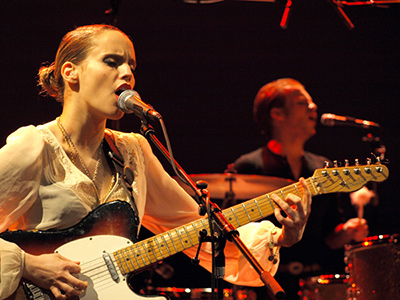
(54,272)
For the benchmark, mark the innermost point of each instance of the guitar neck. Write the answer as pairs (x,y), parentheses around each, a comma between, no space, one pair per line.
(159,247)
(323,181)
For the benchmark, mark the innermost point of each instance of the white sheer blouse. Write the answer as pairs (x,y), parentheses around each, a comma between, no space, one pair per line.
(42,189)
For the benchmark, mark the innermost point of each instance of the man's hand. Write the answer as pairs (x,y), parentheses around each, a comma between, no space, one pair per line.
(297,210)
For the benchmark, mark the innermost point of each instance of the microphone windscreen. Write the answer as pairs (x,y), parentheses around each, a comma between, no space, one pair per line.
(123,98)
(328,119)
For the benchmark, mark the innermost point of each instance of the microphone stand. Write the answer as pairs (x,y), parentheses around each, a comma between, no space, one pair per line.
(215,216)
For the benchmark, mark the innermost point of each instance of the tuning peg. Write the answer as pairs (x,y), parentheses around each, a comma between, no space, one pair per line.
(346,171)
(357,163)
(335,163)
(326,164)
(368,168)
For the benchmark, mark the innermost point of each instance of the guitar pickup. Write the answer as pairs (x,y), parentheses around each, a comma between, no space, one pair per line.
(110,266)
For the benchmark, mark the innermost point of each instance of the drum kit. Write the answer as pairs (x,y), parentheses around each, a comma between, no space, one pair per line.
(372,266)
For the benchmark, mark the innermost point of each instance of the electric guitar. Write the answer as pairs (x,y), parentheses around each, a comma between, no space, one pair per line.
(105,244)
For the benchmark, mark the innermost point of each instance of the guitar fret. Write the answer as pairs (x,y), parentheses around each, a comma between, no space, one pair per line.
(258,207)
(255,212)
(283,195)
(159,248)
(172,241)
(205,225)
(312,183)
(233,212)
(197,231)
(179,236)
(166,245)
(125,256)
(297,190)
(140,254)
(129,257)
(150,251)
(190,240)
(145,250)
(135,256)
(163,246)
(269,199)
(245,210)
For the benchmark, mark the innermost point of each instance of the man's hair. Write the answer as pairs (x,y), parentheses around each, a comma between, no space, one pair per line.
(269,96)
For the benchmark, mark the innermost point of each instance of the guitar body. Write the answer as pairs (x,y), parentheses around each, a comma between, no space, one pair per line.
(103,283)
(108,228)
(113,218)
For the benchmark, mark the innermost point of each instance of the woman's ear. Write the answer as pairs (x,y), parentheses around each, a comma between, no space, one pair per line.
(277,113)
(69,72)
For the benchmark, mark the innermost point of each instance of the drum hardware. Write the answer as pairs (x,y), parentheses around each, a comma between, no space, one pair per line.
(236,187)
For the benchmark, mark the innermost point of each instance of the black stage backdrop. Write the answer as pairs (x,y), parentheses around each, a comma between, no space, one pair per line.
(200,66)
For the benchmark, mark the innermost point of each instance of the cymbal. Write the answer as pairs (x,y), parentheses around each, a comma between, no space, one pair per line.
(242,185)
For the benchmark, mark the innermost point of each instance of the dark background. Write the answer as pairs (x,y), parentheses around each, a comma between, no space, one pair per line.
(200,66)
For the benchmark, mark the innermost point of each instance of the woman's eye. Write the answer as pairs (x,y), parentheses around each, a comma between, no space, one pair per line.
(111,62)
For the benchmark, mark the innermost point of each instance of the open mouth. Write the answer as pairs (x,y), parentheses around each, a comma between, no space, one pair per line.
(119,92)
(122,88)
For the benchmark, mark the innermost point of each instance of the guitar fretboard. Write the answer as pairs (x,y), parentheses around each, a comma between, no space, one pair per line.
(159,247)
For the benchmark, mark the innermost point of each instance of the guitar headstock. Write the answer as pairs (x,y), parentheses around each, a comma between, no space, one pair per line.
(348,178)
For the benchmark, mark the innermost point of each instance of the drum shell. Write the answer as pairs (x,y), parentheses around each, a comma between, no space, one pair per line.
(174,293)
(374,268)
(324,287)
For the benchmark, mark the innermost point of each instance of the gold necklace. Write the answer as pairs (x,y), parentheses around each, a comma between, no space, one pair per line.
(74,152)
(109,189)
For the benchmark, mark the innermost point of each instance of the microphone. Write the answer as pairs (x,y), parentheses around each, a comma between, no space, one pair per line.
(130,102)
(335,120)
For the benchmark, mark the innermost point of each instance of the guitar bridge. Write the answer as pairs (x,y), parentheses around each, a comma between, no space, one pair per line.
(33,292)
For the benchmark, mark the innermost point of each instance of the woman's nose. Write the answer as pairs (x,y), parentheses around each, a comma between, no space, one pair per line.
(126,72)
(312,106)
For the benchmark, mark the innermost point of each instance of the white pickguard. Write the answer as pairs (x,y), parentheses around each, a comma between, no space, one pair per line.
(89,252)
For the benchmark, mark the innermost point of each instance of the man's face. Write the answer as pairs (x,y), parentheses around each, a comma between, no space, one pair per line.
(300,111)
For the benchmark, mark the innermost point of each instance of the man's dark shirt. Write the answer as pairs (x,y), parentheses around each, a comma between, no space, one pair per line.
(310,256)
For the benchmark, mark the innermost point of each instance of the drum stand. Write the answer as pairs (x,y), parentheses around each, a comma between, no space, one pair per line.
(222,229)
(230,197)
